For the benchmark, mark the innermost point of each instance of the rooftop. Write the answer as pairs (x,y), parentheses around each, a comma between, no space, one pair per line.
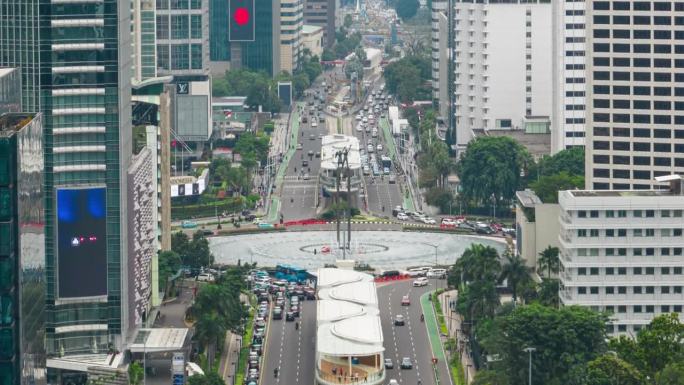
(528,198)
(674,188)
(356,336)
(11,123)
(308,29)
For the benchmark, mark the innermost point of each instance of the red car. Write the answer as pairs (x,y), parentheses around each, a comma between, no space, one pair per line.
(405,301)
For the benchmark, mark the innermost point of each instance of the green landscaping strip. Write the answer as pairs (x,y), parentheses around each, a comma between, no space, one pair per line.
(246,344)
(432,329)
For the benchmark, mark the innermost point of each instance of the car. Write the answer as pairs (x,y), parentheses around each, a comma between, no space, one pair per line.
(428,221)
(448,222)
(277,313)
(188,224)
(466,226)
(299,146)
(365,120)
(386,170)
(359,128)
(305,163)
(437,273)
(370,148)
(484,230)
(420,282)
(406,363)
(393,180)
(305,119)
(294,309)
(312,137)
(366,170)
(508,231)
(254,364)
(374,134)
(314,124)
(321,119)
(405,300)
(393,382)
(389,364)
(379,147)
(359,117)
(398,320)
(259,322)
(205,277)
(289,316)
(402,217)
(318,154)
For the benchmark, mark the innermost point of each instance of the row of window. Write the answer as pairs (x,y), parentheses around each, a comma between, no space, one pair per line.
(179,4)
(636,174)
(666,270)
(636,5)
(620,290)
(640,34)
(611,233)
(181,26)
(622,251)
(637,118)
(179,56)
(638,62)
(638,48)
(634,213)
(639,132)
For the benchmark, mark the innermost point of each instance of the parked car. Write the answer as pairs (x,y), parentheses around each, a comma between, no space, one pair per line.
(277,313)
(402,217)
(205,277)
(437,273)
(429,221)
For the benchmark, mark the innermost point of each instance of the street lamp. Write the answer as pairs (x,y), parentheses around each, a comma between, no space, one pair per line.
(530,350)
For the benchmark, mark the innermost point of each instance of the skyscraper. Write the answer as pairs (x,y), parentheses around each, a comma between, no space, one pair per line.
(635,97)
(75,57)
(291,25)
(182,37)
(322,14)
(569,75)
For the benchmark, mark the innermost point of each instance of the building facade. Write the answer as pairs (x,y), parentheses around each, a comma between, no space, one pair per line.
(143,37)
(621,252)
(635,94)
(22,249)
(569,75)
(182,37)
(502,63)
(312,39)
(322,13)
(291,26)
(84,98)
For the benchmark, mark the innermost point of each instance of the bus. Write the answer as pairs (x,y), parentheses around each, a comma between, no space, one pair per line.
(386,161)
(291,273)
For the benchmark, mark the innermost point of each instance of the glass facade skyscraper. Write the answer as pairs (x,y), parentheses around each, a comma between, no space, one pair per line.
(22,250)
(182,37)
(75,58)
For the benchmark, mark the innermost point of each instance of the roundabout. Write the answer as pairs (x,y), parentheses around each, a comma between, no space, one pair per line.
(382,250)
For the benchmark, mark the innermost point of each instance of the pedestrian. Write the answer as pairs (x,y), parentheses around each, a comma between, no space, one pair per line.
(365,378)
(334,370)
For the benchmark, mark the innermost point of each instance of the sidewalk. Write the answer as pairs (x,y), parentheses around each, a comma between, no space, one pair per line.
(453,321)
(229,358)
(441,371)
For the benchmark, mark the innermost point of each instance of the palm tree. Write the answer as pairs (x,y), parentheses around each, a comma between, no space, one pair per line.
(478,263)
(548,260)
(515,272)
(208,330)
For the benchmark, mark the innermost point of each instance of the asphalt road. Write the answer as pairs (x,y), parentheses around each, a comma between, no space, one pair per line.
(291,350)
(410,340)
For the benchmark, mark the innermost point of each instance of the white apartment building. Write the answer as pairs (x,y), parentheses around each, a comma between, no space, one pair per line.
(621,252)
(569,74)
(291,26)
(439,35)
(503,64)
(635,96)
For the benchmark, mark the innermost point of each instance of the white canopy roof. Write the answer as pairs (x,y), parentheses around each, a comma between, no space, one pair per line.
(328,277)
(333,311)
(356,336)
(362,293)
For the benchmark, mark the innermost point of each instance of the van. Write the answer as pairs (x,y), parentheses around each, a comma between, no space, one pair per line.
(437,273)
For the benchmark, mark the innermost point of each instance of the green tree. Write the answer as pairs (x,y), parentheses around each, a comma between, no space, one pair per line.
(570,161)
(219,87)
(348,21)
(671,374)
(209,328)
(489,377)
(548,292)
(327,55)
(478,263)
(516,273)
(354,65)
(199,254)
(479,300)
(563,338)
(548,260)
(547,187)
(135,373)
(211,378)
(180,243)
(610,370)
(406,9)
(361,54)
(491,167)
(169,264)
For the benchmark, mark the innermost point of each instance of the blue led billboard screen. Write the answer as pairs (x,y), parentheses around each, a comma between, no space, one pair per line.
(81,243)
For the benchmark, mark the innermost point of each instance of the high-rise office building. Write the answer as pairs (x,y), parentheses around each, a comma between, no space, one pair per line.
(262,54)
(143,37)
(502,61)
(182,37)
(291,26)
(22,239)
(569,75)
(322,14)
(76,60)
(635,97)
(219,45)
(442,34)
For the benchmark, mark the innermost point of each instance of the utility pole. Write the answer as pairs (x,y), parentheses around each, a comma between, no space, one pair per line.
(530,350)
(343,171)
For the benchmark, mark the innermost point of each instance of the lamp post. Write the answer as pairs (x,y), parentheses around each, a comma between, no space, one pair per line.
(530,350)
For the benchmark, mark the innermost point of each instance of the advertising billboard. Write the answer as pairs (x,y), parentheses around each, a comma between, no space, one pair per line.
(241,23)
(285,92)
(81,242)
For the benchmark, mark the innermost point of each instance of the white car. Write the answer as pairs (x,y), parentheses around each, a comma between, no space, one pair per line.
(429,221)
(402,217)
(420,282)
(205,277)
(359,128)
(437,273)
(370,148)
(359,117)
(393,382)
(379,148)
(364,120)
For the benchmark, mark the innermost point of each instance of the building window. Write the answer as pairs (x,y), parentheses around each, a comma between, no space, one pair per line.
(677,270)
(650,213)
(582,214)
(593,233)
(610,290)
(581,233)
(610,252)
(179,27)
(610,233)
(637,290)
(622,213)
(665,309)
(622,271)
(196,56)
(610,214)
(650,289)
(638,233)
(677,289)
(650,232)
(163,56)
(637,308)
(665,270)
(622,289)
(636,271)
(677,213)
(665,290)
(179,57)
(581,290)
(594,271)
(196,26)
(162,26)
(622,251)
(594,213)
(649,309)
(582,271)
(637,213)
(622,232)
(622,309)
(665,213)
(594,290)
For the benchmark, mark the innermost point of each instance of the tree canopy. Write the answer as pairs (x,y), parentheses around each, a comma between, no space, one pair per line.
(211,378)
(259,88)
(548,186)
(491,167)
(408,78)
(193,253)
(406,9)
